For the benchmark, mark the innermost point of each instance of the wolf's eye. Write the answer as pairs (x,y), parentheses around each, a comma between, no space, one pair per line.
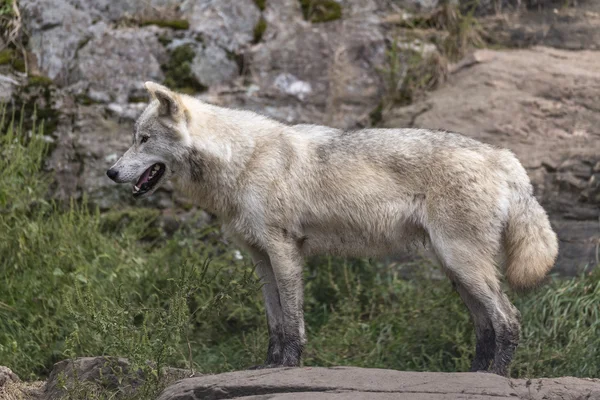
(144,139)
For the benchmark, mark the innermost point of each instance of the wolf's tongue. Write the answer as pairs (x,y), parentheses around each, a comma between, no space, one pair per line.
(144,178)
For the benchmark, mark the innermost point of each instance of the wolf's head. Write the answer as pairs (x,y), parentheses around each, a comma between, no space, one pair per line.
(160,139)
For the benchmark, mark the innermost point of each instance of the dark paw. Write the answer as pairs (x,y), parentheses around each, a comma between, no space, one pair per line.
(263,366)
(502,372)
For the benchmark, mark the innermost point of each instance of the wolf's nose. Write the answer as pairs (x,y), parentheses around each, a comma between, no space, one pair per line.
(112,173)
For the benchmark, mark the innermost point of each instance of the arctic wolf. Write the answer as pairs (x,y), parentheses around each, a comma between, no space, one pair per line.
(286,192)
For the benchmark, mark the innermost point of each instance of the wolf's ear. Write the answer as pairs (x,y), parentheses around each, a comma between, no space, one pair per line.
(170,102)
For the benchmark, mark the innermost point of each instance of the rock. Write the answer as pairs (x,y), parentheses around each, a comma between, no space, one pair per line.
(7,376)
(321,73)
(130,111)
(118,62)
(55,35)
(576,28)
(108,373)
(213,66)
(113,11)
(228,23)
(7,87)
(12,388)
(540,103)
(360,383)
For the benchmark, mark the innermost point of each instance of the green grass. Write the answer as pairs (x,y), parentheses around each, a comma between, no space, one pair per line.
(79,283)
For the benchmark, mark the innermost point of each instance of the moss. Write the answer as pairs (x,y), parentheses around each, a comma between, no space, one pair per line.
(259,30)
(164,40)
(84,99)
(35,97)
(261,4)
(321,10)
(178,70)
(18,64)
(177,24)
(377,114)
(6,56)
(137,99)
(39,80)
(10,56)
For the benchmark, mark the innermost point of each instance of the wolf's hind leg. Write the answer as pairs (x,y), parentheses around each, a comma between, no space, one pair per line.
(484,331)
(475,275)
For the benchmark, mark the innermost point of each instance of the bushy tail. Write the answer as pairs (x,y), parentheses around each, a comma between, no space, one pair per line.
(531,244)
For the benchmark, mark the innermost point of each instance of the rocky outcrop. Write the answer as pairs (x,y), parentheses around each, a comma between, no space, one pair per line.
(560,27)
(542,104)
(338,383)
(110,375)
(280,62)
(105,373)
(12,388)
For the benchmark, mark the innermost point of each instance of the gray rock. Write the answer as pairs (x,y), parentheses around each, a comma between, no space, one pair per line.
(537,103)
(112,11)
(212,66)
(108,373)
(329,69)
(7,376)
(228,23)
(55,35)
(575,28)
(345,383)
(8,84)
(119,61)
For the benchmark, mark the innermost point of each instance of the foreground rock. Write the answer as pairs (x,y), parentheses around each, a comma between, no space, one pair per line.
(85,375)
(12,388)
(89,376)
(362,383)
(541,103)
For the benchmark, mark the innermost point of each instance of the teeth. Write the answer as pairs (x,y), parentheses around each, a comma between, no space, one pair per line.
(135,188)
(156,168)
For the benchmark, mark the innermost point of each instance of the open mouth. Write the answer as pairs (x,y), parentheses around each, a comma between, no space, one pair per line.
(149,179)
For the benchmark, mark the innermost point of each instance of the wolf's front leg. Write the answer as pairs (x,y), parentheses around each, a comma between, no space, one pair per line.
(286,341)
(272,306)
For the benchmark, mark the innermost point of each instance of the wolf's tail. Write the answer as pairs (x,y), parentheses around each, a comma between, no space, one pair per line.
(530,243)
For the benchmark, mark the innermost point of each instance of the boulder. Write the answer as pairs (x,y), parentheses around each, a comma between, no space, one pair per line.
(213,66)
(116,62)
(541,103)
(228,23)
(55,35)
(325,73)
(576,28)
(85,375)
(345,383)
